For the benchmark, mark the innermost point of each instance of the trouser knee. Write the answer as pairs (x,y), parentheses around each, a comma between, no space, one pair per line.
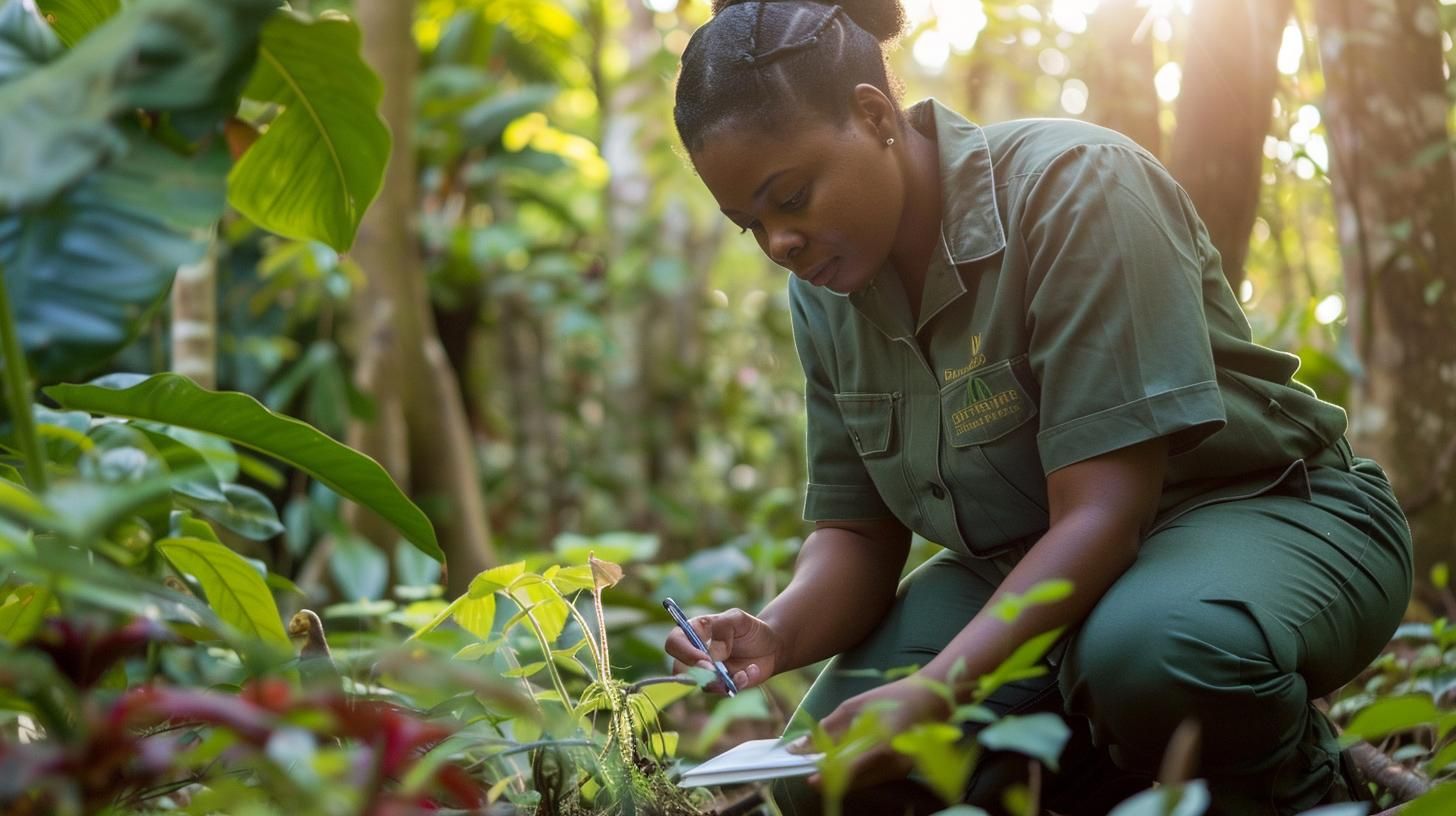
(1137,672)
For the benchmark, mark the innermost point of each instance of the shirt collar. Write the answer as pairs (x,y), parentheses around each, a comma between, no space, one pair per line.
(970,226)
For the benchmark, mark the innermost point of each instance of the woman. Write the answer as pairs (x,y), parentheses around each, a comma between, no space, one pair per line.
(1019,343)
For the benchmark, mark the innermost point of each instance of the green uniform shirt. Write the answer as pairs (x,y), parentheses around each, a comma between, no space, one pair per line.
(1075,306)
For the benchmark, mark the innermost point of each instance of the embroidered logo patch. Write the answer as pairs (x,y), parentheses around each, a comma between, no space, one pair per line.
(976,361)
(983,407)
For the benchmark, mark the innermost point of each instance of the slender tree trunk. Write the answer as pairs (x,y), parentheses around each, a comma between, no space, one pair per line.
(1395,204)
(1229,76)
(420,433)
(194,320)
(1120,73)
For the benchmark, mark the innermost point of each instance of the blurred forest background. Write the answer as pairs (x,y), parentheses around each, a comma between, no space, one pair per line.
(545,331)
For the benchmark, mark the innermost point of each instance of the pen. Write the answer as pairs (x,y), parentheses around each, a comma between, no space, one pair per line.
(677,614)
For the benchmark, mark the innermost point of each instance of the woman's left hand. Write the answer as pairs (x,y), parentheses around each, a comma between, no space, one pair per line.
(914,702)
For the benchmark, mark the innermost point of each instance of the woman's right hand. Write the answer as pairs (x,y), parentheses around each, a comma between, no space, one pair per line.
(748,646)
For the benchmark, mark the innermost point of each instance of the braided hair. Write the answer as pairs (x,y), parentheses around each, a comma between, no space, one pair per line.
(766,62)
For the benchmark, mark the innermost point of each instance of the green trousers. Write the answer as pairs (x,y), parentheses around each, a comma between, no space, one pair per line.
(1236,614)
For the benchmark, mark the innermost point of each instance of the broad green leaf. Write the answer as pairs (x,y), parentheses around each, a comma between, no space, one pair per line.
(547,608)
(179,456)
(663,743)
(84,271)
(495,578)
(18,502)
(234,589)
(938,757)
(238,417)
(320,163)
(185,525)
(26,42)
(59,122)
(82,511)
(1438,801)
(74,19)
(1389,715)
(1022,664)
(746,705)
(1011,605)
(1040,736)
(662,695)
(476,615)
(71,573)
(219,454)
(21,613)
(244,510)
(570,579)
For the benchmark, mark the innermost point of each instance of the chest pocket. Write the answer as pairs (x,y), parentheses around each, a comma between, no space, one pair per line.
(991,460)
(988,402)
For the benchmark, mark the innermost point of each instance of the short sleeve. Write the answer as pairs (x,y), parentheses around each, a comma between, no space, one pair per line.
(1119,341)
(839,486)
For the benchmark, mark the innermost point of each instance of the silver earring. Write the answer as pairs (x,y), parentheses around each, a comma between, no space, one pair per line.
(890,142)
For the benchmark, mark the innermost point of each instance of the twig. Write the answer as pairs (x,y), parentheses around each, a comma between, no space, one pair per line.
(652,681)
(1375,765)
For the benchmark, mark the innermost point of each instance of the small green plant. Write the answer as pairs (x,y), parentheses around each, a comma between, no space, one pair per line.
(625,770)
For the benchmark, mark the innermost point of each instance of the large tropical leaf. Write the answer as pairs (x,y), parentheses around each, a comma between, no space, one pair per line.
(74,19)
(25,42)
(235,591)
(84,269)
(319,165)
(178,401)
(60,121)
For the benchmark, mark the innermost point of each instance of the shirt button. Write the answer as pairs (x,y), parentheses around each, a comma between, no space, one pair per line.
(937,491)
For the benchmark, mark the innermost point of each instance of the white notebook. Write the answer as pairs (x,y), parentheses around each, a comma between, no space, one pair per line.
(748,762)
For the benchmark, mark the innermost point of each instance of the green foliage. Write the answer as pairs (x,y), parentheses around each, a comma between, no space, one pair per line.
(1440,800)
(96,214)
(319,165)
(176,401)
(173,56)
(235,591)
(74,19)
(1039,736)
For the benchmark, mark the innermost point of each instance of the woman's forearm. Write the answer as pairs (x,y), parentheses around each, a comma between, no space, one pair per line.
(844,583)
(1082,548)
(1099,508)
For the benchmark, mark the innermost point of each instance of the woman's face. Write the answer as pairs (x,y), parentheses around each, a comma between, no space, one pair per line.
(822,201)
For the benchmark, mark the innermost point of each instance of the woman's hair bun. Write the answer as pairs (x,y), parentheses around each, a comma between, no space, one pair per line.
(882,19)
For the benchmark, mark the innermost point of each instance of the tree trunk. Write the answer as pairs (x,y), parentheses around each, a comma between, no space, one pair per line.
(1395,204)
(420,432)
(194,320)
(1120,73)
(1229,76)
